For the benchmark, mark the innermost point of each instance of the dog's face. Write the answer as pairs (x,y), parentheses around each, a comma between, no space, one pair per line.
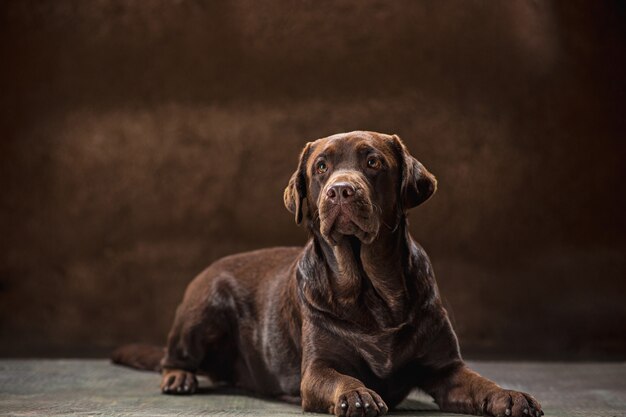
(355,183)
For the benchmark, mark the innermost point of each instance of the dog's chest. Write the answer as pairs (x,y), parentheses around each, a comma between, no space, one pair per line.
(383,351)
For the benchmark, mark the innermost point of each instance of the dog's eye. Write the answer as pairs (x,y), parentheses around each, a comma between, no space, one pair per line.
(321,167)
(374,163)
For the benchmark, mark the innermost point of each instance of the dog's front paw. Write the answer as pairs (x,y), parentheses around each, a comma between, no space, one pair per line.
(360,402)
(506,403)
(178,382)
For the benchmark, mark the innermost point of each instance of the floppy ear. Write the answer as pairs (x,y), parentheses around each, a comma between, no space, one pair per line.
(295,193)
(416,183)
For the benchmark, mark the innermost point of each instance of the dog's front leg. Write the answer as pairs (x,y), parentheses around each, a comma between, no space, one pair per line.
(458,389)
(323,389)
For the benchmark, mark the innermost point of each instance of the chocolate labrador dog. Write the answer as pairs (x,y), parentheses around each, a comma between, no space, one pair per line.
(347,325)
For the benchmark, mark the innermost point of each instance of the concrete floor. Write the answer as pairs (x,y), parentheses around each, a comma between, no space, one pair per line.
(97,388)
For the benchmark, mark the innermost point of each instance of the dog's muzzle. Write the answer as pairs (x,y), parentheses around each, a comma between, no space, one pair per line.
(346,208)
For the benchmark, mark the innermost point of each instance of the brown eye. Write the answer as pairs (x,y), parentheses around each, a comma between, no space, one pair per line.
(374,163)
(321,167)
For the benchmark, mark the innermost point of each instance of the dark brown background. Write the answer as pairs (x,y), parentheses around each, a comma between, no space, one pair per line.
(142,140)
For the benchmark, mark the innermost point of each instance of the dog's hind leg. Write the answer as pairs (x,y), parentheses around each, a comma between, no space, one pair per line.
(201,339)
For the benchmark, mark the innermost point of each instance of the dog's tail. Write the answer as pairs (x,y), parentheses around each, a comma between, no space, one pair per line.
(139,356)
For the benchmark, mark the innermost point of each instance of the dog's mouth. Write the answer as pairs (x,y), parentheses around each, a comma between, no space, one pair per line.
(355,219)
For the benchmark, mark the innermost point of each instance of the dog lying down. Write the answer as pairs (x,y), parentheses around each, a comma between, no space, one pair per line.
(351,322)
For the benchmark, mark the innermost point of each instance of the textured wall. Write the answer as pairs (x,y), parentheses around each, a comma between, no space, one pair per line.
(139,141)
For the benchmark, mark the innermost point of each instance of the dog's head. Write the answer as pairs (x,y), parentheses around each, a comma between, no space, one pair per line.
(355,182)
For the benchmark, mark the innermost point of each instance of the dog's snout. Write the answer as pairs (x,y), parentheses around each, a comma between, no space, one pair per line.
(340,192)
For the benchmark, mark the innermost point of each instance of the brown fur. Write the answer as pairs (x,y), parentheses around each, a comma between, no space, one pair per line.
(351,322)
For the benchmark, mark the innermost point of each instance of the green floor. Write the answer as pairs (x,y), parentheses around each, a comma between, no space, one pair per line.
(97,388)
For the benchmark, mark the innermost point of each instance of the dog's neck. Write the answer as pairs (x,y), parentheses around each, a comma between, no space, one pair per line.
(379,266)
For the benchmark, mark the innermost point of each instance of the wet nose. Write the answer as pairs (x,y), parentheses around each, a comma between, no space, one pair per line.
(340,192)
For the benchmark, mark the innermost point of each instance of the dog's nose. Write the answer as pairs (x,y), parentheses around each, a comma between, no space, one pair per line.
(340,192)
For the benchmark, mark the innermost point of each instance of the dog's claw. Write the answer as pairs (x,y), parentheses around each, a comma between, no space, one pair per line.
(178,382)
(508,403)
(360,402)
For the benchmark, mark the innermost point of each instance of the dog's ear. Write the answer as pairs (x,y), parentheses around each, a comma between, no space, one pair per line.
(416,183)
(295,192)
